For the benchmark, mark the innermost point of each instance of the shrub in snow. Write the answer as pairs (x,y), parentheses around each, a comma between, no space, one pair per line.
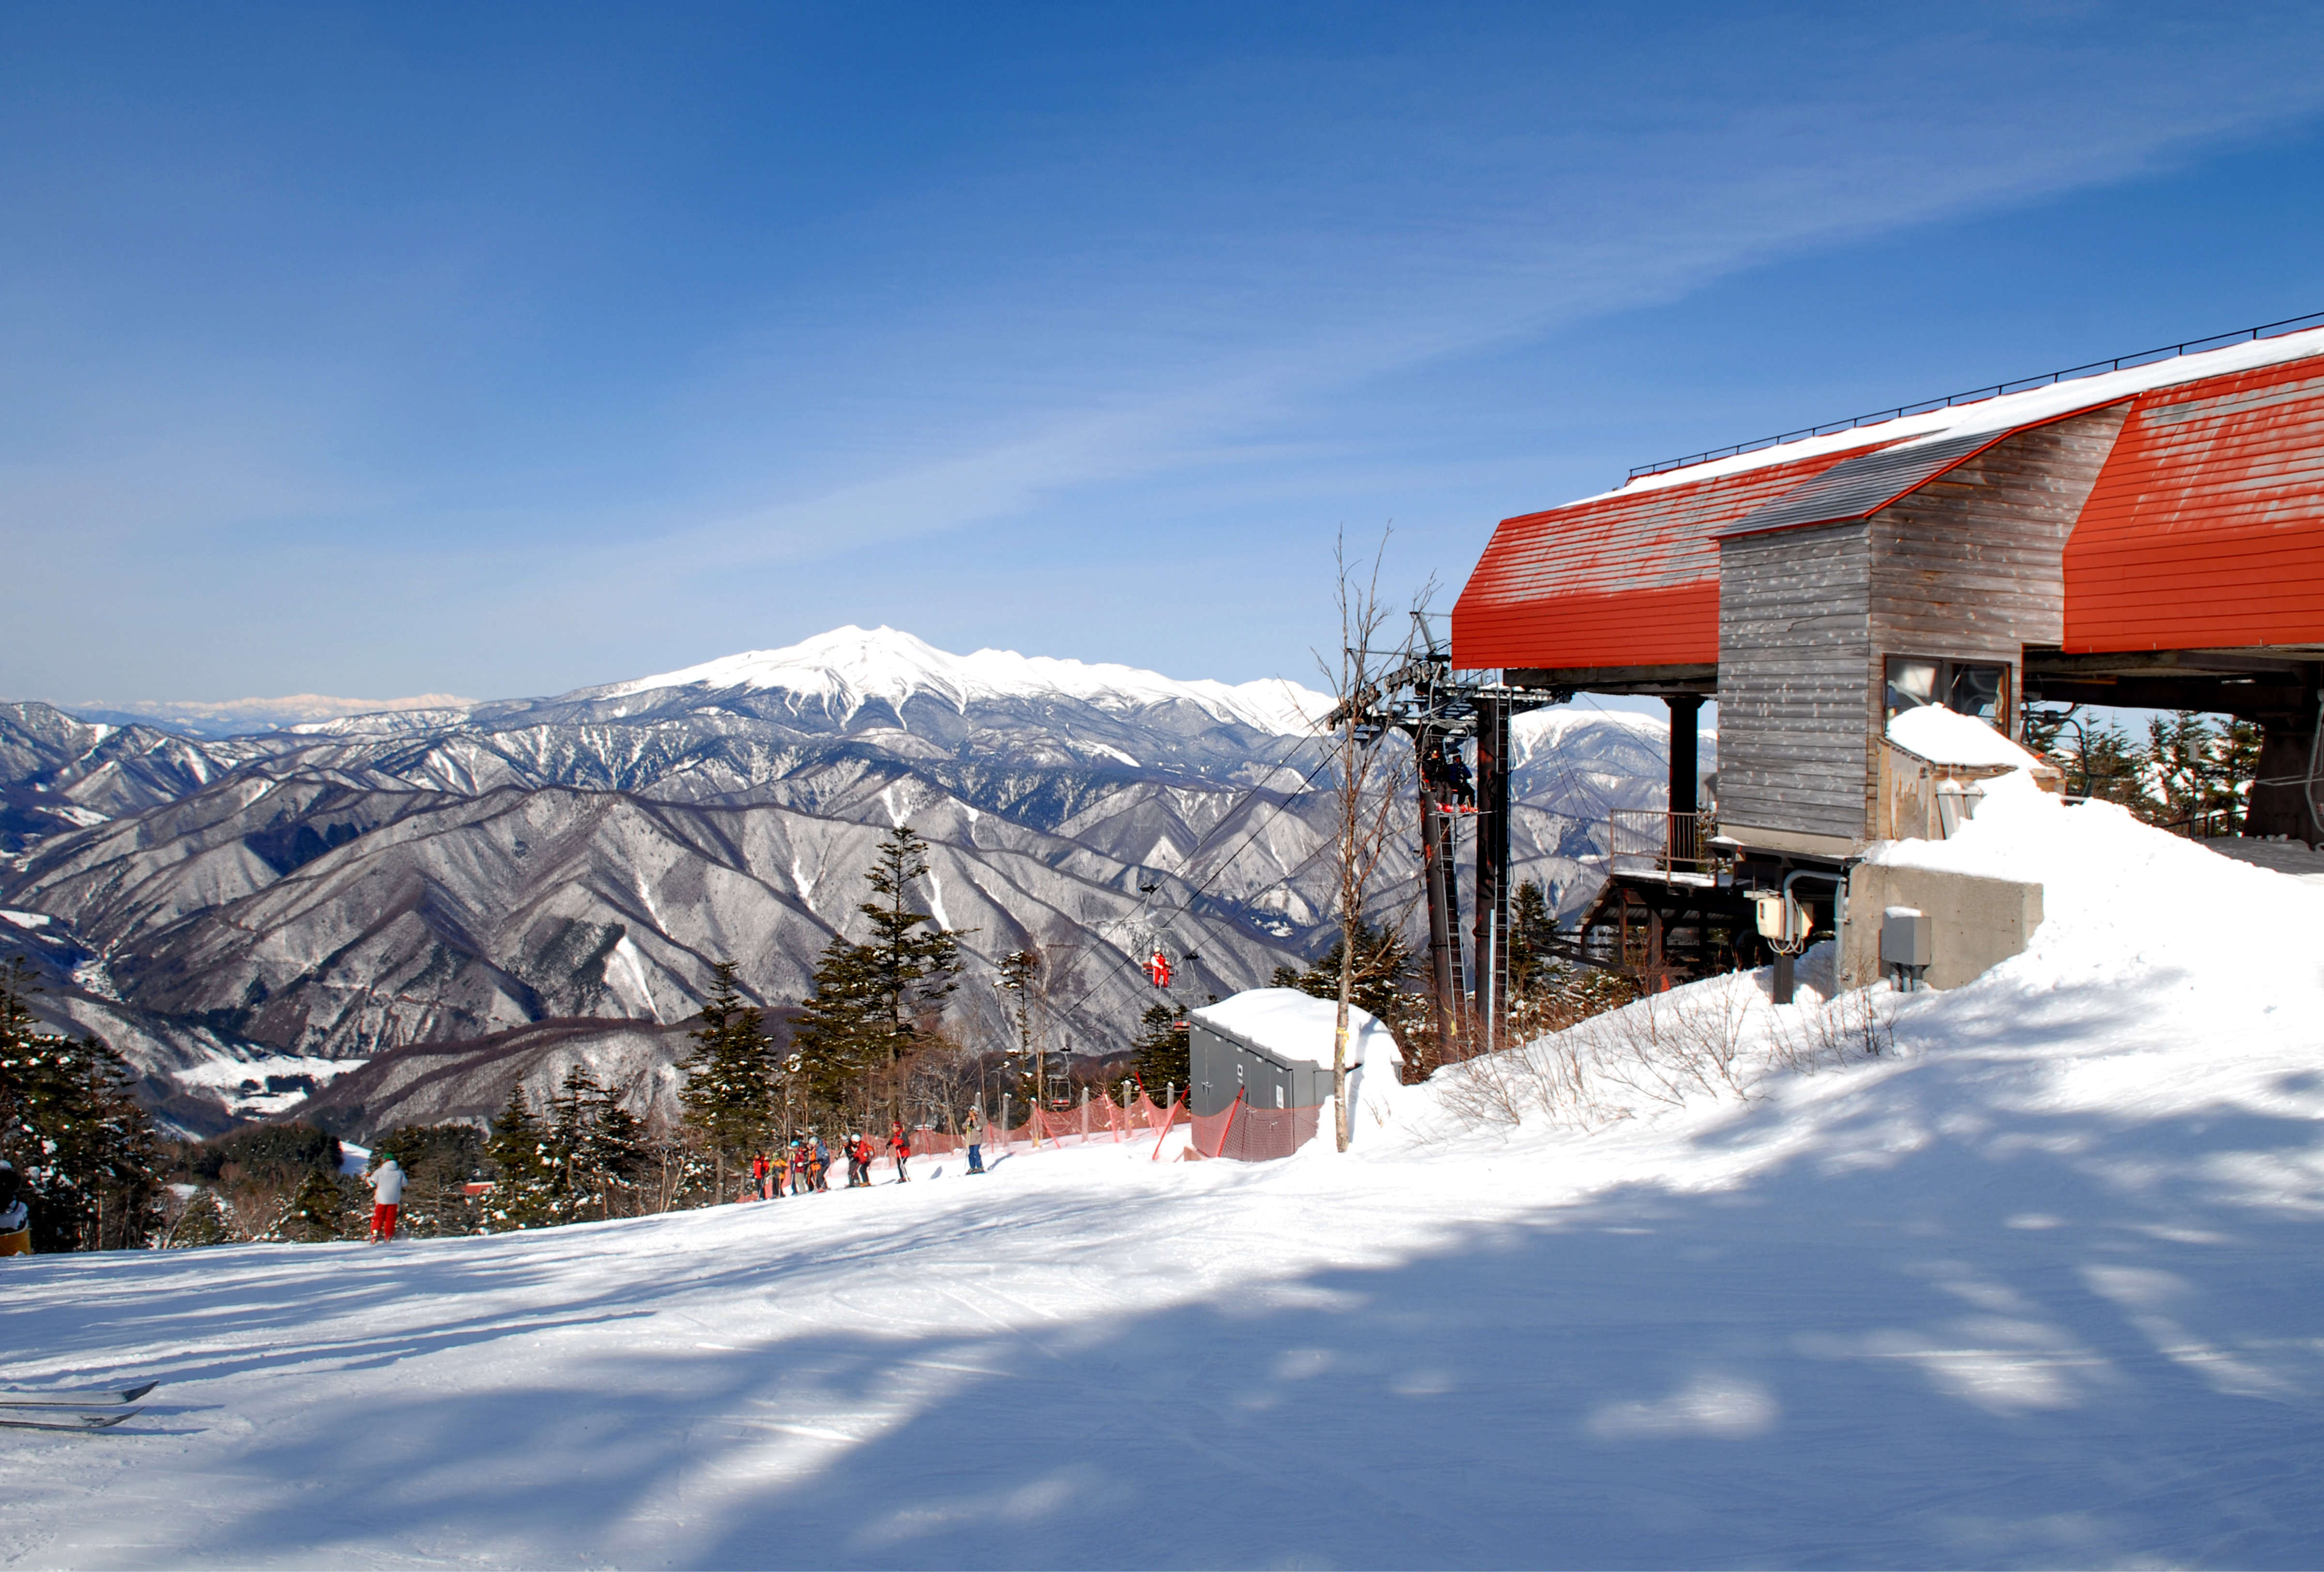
(1719,1038)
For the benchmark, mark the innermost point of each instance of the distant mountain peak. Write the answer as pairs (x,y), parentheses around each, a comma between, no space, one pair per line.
(851,666)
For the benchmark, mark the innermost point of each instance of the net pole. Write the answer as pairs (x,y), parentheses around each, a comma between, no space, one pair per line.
(1164,1135)
(1227,1128)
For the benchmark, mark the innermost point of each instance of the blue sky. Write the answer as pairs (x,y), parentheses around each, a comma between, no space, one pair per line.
(498,350)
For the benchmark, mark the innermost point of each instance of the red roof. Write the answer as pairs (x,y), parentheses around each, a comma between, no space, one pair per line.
(2206,528)
(1627,580)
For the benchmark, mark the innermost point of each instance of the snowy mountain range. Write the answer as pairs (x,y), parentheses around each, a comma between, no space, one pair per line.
(347,889)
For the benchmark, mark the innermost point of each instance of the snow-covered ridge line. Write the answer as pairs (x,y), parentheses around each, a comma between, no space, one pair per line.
(849,666)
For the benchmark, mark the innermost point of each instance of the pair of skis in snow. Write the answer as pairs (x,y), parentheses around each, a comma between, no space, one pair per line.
(90,1408)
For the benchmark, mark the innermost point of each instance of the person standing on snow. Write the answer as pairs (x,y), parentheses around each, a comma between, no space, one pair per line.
(902,1145)
(16,1216)
(820,1164)
(387,1199)
(973,1132)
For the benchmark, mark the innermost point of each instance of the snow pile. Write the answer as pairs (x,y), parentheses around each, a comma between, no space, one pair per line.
(1945,737)
(2167,939)
(850,666)
(2034,1286)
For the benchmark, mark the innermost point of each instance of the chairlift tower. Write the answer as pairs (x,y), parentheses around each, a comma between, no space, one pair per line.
(1442,710)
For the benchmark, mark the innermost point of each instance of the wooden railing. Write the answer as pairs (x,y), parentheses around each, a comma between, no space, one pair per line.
(1652,840)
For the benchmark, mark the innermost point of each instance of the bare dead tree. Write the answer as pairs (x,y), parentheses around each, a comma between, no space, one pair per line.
(1370,770)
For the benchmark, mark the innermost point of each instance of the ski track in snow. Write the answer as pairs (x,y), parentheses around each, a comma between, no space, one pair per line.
(2041,1286)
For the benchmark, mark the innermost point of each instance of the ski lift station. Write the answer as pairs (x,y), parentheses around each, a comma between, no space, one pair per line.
(2147,532)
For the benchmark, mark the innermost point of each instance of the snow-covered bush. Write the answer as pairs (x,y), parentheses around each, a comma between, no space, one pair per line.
(1719,1038)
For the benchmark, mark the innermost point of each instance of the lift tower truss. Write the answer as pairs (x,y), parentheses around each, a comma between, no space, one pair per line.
(1442,710)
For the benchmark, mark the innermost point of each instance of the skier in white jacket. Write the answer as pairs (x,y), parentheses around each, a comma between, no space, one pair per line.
(387,1195)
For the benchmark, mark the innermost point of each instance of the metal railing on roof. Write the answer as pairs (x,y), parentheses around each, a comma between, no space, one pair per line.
(1978,395)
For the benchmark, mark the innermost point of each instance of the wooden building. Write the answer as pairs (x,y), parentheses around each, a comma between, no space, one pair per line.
(2146,536)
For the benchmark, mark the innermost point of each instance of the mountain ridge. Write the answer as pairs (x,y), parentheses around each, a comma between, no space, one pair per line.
(369,884)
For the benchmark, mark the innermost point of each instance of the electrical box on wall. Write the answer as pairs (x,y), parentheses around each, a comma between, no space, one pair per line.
(1781,921)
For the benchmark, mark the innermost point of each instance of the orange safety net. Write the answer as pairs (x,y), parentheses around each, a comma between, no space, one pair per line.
(1249,1134)
(1100,1118)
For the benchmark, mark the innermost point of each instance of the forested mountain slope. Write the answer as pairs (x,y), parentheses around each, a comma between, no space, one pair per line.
(438,876)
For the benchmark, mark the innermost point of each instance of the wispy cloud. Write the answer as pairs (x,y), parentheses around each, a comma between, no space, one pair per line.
(1136,278)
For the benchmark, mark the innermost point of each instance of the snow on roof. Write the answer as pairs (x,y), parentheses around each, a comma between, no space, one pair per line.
(1293,1025)
(1945,737)
(849,666)
(2004,410)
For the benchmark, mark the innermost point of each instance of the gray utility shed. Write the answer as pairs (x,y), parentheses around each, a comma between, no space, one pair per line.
(1222,1061)
(1911,574)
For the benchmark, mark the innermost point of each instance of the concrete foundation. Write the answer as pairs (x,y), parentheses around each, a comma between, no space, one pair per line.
(1979,922)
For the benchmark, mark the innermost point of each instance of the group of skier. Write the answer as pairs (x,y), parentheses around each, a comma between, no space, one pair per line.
(800,1168)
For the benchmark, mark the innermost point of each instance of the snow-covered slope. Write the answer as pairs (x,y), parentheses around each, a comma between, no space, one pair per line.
(2036,1287)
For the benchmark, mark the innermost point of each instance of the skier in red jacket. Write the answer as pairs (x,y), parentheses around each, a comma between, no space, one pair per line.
(902,1145)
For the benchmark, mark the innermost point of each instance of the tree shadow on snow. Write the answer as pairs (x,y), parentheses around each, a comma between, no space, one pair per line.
(1949,1331)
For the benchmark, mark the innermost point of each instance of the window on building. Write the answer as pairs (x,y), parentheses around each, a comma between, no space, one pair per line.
(1976,688)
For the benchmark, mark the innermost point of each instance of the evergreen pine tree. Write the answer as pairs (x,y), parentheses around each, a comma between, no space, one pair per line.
(870,999)
(599,1144)
(1383,964)
(202,1222)
(1532,930)
(1163,1045)
(911,972)
(83,1149)
(838,1041)
(322,1207)
(2202,772)
(730,1077)
(523,1193)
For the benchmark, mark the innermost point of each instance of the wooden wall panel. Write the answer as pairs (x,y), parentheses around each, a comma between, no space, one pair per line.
(1968,567)
(1792,632)
(1971,566)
